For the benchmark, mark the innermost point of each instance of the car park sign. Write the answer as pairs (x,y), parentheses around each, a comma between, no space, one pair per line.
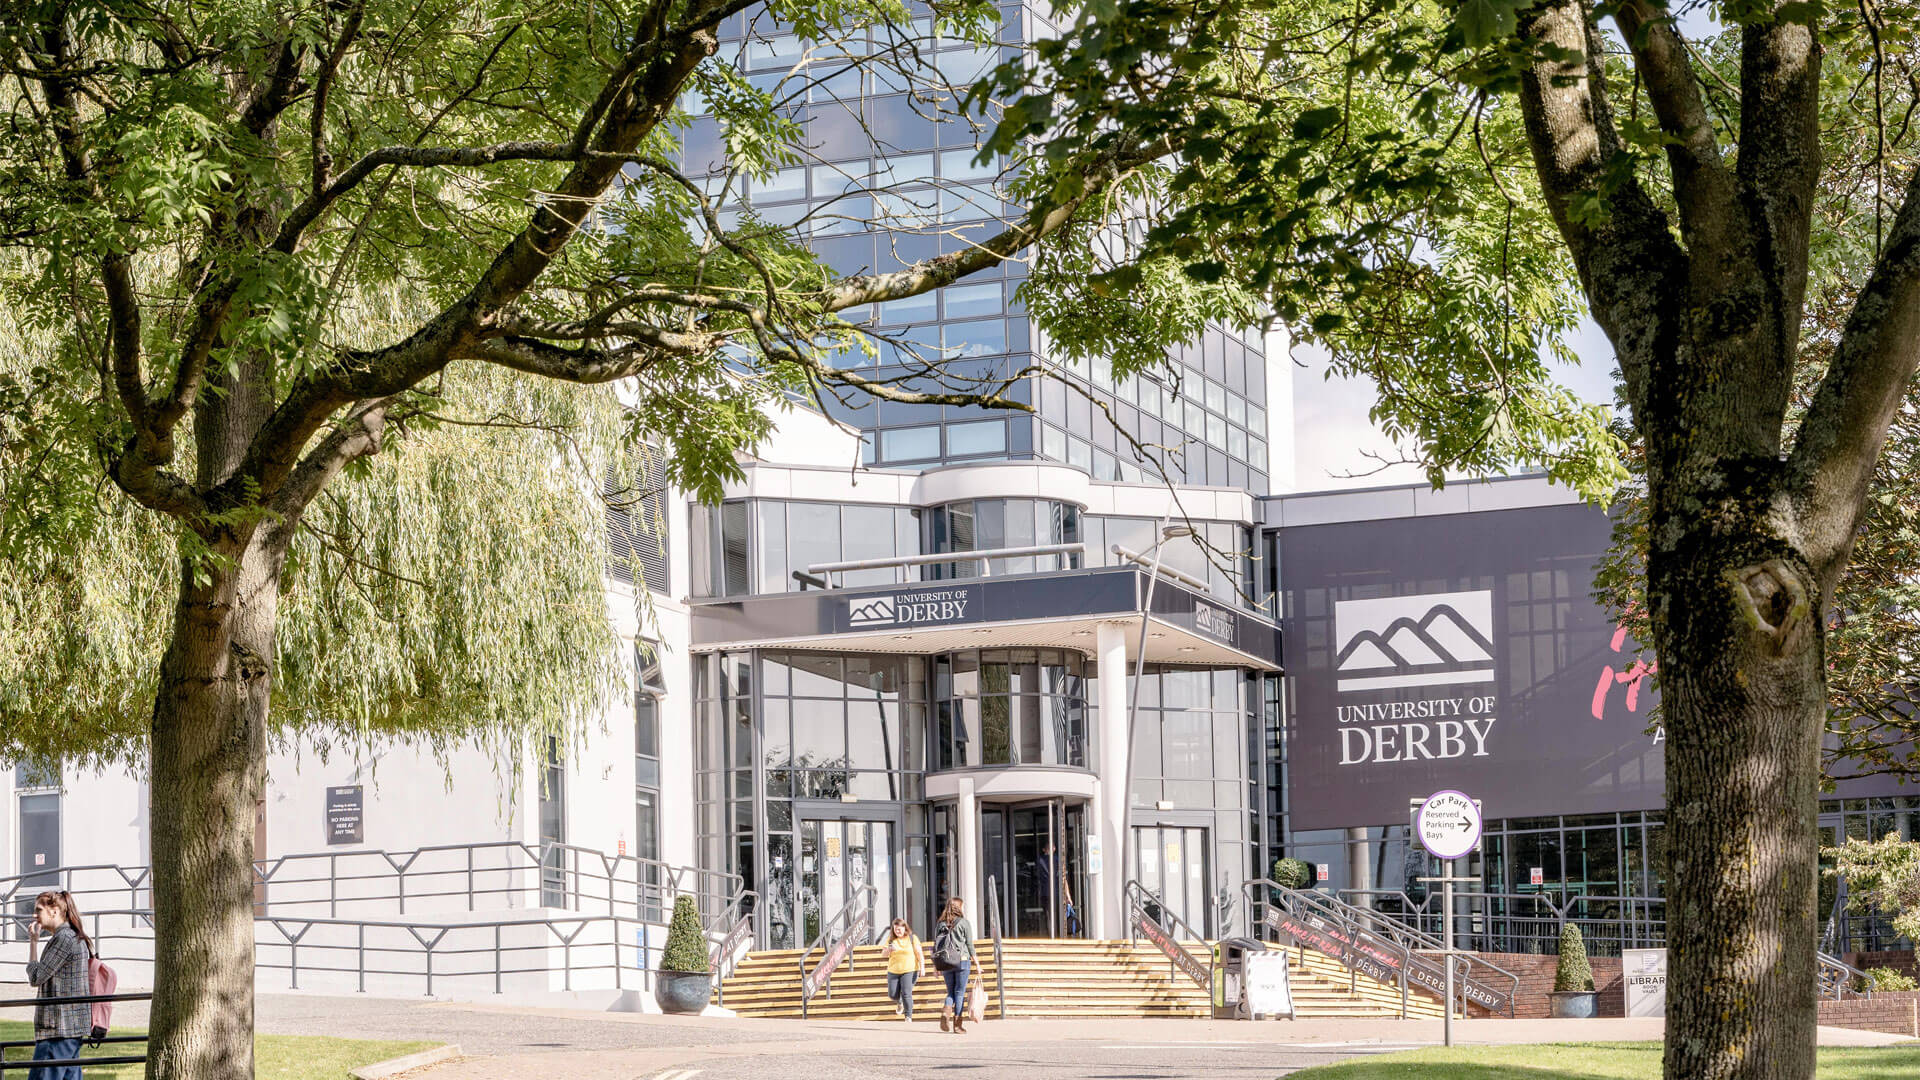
(1448,824)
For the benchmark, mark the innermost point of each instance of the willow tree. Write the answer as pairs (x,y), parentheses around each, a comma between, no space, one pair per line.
(1430,190)
(249,245)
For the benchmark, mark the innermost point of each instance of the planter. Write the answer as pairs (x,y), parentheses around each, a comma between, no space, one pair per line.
(682,992)
(1575,1004)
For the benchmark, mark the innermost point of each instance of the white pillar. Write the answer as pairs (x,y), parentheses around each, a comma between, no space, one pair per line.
(969,868)
(1114,789)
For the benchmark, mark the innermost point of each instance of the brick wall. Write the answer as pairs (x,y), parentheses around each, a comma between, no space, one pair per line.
(1897,1012)
(1901,960)
(1536,982)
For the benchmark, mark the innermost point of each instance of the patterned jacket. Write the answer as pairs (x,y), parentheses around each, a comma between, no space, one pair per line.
(61,971)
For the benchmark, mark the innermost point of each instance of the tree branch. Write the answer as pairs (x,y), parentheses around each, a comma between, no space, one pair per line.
(1710,216)
(356,436)
(1779,162)
(1840,438)
(1628,262)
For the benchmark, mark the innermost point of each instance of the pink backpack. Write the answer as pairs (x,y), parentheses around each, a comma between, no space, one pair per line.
(101,981)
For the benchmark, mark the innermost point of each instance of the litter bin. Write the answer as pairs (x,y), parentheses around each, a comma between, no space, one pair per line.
(1250,981)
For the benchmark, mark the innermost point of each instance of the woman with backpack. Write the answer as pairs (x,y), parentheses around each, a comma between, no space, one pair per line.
(953,955)
(905,965)
(60,972)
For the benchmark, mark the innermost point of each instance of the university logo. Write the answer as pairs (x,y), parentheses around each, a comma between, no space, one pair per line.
(878,611)
(1428,639)
(1213,622)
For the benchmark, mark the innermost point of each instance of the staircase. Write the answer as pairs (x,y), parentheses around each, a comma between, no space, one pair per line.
(1055,978)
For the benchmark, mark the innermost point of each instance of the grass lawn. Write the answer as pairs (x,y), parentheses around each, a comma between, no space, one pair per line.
(276,1057)
(1602,1061)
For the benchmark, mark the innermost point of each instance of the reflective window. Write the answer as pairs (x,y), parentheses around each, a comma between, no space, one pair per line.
(1002,707)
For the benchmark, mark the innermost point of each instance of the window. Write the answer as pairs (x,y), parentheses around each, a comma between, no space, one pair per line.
(553,827)
(910,444)
(635,497)
(998,707)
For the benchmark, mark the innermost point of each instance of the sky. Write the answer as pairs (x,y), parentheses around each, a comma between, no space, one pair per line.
(1332,434)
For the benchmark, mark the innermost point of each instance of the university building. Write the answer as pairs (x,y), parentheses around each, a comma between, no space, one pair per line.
(930,651)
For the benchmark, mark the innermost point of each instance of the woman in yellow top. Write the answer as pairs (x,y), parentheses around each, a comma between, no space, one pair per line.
(905,965)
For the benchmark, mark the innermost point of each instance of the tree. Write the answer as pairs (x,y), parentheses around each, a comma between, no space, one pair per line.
(1882,875)
(1428,191)
(277,277)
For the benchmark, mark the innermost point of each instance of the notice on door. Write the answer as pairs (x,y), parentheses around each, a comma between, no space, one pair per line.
(346,820)
(1645,973)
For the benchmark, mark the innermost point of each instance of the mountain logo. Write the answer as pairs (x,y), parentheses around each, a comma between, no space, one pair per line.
(878,611)
(1421,640)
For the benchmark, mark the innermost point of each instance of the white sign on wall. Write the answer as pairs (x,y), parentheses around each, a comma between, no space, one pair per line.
(1644,971)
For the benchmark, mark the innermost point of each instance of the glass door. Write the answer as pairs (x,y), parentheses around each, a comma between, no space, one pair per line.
(838,858)
(1172,861)
(1032,853)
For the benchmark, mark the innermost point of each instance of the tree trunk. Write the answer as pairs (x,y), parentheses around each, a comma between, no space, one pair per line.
(208,762)
(1737,623)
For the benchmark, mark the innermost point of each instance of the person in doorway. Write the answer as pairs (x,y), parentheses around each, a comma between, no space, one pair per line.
(60,972)
(953,954)
(905,964)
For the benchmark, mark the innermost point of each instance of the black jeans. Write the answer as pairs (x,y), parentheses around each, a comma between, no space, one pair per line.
(900,989)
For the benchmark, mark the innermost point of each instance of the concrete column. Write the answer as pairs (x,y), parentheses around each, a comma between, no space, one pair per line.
(1114,787)
(969,869)
(1359,864)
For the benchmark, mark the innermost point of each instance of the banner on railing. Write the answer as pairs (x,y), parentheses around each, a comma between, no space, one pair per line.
(860,930)
(1365,954)
(724,949)
(1152,930)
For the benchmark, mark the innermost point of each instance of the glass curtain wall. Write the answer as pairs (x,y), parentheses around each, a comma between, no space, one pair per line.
(986,524)
(1003,707)
(755,546)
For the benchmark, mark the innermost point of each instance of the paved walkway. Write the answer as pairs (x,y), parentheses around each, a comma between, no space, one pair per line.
(514,1042)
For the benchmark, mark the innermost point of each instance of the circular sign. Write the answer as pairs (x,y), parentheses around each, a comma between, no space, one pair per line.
(1448,824)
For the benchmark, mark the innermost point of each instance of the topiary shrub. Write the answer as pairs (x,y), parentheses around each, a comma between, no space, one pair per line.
(1883,978)
(1293,873)
(686,943)
(1573,971)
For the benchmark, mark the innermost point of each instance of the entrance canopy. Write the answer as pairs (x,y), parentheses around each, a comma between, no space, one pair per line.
(1057,610)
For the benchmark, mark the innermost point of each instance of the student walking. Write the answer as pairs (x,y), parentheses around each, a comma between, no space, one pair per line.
(905,965)
(953,955)
(60,972)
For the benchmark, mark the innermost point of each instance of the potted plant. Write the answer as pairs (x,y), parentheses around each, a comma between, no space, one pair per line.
(685,980)
(1573,994)
(1293,873)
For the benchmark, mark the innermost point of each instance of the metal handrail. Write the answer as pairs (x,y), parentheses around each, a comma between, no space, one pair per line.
(968,556)
(1382,925)
(1640,927)
(75,999)
(828,939)
(625,884)
(745,922)
(1135,891)
(1178,575)
(998,932)
(1838,979)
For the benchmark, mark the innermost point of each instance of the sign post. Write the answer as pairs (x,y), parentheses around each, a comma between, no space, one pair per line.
(1448,825)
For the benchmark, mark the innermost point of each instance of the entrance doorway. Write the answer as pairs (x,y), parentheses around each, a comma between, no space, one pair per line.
(39,839)
(1033,853)
(1173,862)
(837,858)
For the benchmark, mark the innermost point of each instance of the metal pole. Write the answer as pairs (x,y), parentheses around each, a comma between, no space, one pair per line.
(1446,901)
(1128,858)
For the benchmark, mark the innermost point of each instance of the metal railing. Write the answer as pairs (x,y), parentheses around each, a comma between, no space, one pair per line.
(440,878)
(994,928)
(1480,981)
(1634,925)
(1528,922)
(838,938)
(1149,916)
(343,928)
(823,572)
(80,999)
(740,920)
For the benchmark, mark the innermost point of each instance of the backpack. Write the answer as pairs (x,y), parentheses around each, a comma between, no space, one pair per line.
(948,953)
(101,981)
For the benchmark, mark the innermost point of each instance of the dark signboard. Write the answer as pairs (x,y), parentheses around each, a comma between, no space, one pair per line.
(1460,651)
(1106,591)
(346,820)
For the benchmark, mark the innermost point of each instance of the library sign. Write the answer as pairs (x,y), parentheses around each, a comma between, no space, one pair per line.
(1460,651)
